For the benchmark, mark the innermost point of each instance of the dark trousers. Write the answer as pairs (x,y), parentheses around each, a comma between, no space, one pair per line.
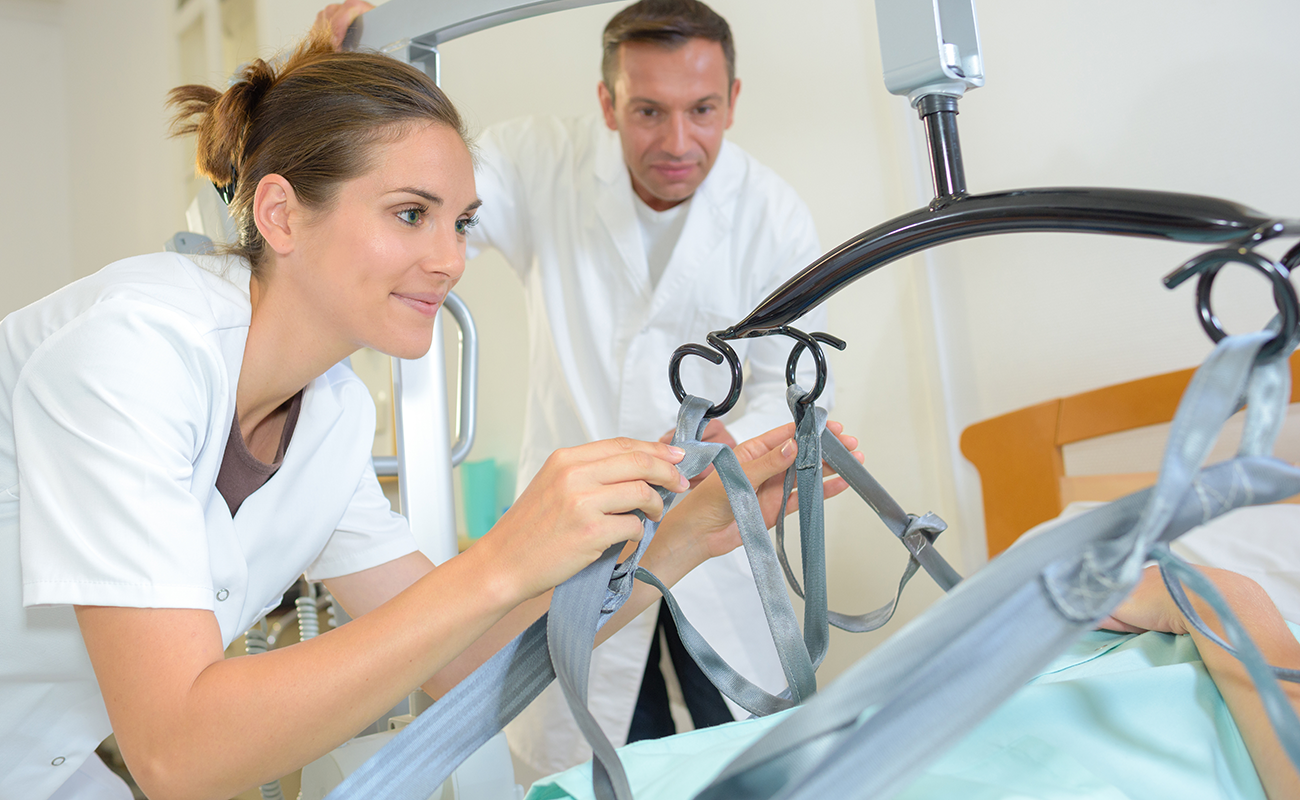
(651,718)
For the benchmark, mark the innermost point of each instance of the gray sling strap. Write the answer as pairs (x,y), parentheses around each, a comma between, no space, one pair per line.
(901,706)
(608,779)
(916,533)
(421,757)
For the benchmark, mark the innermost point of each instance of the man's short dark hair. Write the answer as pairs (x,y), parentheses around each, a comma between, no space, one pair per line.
(669,23)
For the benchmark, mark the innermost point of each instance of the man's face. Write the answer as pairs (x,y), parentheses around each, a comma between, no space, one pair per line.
(670,108)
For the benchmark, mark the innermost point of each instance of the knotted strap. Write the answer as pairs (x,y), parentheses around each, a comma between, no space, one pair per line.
(816,444)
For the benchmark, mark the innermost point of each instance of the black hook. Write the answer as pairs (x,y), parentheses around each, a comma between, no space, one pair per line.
(722,351)
(809,341)
(1292,257)
(1207,266)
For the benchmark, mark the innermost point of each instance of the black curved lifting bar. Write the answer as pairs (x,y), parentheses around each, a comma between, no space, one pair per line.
(1124,212)
(1230,228)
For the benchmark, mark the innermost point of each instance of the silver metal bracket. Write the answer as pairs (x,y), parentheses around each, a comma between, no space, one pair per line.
(929,47)
(397,24)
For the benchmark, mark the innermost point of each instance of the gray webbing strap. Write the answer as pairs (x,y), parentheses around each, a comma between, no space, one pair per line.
(571,628)
(916,533)
(419,759)
(722,675)
(416,761)
(810,423)
(941,674)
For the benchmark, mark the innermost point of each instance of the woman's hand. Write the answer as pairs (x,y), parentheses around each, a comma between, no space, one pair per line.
(576,507)
(703,521)
(336,17)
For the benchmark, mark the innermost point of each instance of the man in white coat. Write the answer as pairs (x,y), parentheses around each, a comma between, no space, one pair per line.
(637,230)
(634,232)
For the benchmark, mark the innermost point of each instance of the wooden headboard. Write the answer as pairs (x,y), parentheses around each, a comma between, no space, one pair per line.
(1019,459)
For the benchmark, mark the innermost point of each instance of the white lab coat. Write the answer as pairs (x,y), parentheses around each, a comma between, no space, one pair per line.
(116,400)
(558,203)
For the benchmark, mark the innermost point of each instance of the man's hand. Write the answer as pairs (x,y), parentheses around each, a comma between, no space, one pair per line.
(336,17)
(715,431)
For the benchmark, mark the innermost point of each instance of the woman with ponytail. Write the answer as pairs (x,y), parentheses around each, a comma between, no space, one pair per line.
(179,442)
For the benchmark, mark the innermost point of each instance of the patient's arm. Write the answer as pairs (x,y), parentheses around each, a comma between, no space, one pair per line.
(1150,608)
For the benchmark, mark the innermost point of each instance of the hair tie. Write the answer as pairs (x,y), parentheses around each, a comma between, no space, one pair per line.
(227,191)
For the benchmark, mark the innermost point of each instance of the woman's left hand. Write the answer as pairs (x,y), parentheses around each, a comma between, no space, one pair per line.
(706,511)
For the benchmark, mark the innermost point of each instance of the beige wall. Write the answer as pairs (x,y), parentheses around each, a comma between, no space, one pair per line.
(35,199)
(1186,95)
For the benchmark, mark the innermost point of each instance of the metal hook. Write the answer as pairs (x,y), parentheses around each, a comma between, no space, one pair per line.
(722,351)
(1207,265)
(809,341)
(1292,257)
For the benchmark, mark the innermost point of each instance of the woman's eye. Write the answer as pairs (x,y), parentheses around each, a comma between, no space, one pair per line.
(465,223)
(411,216)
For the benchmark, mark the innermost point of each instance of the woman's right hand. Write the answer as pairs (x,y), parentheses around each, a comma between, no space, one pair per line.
(576,507)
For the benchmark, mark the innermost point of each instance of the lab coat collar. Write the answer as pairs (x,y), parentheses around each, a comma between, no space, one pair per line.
(227,280)
(614,205)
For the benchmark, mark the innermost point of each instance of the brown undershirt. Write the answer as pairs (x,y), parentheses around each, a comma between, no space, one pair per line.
(241,472)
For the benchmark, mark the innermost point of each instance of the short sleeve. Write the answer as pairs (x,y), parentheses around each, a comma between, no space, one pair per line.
(109,416)
(370,533)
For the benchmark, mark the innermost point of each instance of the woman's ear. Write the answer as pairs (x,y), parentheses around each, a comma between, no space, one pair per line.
(274,204)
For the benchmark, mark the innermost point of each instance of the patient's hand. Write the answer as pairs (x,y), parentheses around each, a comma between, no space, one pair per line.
(1151,608)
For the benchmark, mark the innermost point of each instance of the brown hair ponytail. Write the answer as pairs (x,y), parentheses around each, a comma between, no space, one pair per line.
(315,120)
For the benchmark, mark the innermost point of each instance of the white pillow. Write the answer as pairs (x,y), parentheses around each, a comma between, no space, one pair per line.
(1260,542)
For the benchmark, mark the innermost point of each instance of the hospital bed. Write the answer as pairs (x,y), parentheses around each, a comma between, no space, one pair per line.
(1021,459)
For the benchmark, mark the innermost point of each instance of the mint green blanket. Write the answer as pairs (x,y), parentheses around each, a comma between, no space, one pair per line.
(1117,716)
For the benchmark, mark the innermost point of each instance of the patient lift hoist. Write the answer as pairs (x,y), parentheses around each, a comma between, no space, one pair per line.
(925,688)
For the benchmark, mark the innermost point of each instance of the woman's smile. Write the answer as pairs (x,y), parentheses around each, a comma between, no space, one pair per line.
(426,303)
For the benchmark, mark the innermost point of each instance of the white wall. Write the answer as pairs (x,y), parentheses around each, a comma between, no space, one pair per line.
(35,204)
(87,178)
(1180,96)
(1188,96)
(120,64)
